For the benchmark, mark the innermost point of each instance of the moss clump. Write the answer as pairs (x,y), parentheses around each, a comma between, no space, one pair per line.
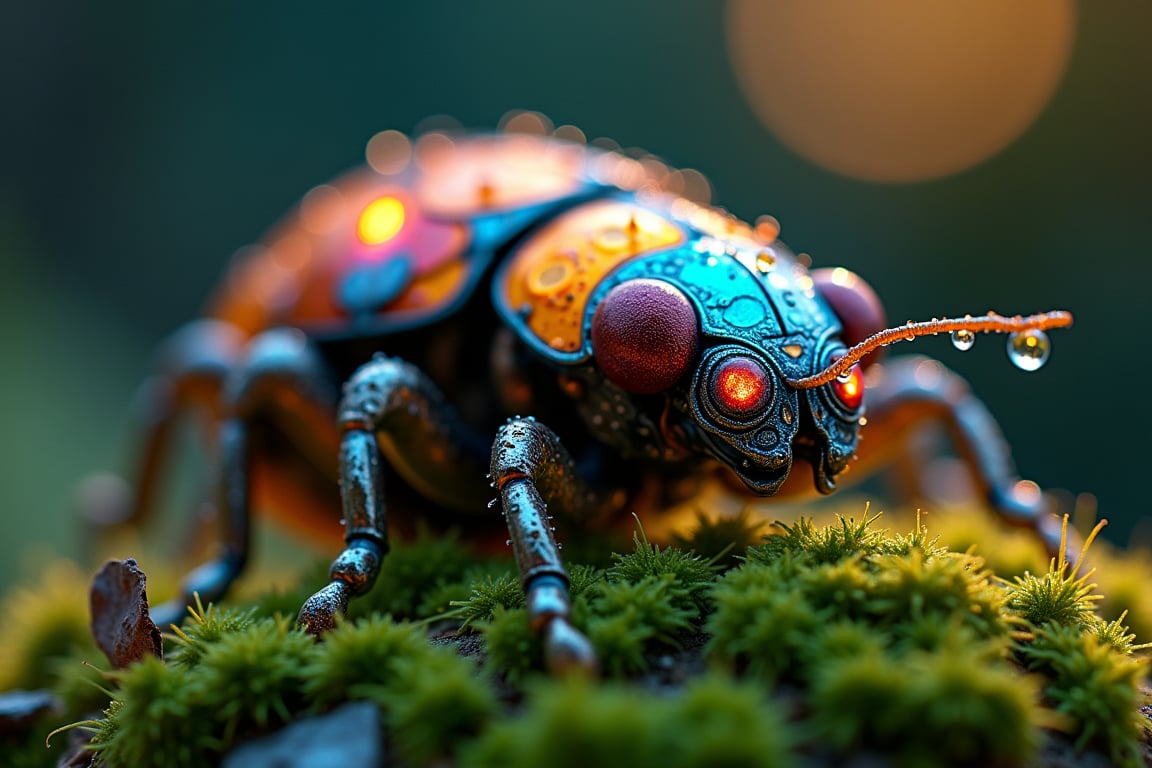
(253,677)
(513,649)
(358,660)
(760,625)
(488,595)
(872,642)
(437,701)
(627,619)
(713,722)
(724,539)
(1093,685)
(158,718)
(691,574)
(413,577)
(43,624)
(203,628)
(949,708)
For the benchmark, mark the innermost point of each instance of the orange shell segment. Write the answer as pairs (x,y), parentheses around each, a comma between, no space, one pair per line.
(555,272)
(495,173)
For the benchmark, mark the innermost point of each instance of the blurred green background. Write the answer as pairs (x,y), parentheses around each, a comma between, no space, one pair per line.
(142,144)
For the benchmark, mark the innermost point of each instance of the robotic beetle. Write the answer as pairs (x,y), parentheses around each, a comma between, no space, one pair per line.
(396,323)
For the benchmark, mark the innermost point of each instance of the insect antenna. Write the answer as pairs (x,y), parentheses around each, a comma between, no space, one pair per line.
(990,323)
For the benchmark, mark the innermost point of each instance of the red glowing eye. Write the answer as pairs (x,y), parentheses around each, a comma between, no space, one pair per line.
(740,386)
(849,388)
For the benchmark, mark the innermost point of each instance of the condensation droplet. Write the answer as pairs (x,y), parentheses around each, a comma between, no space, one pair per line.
(963,339)
(1029,350)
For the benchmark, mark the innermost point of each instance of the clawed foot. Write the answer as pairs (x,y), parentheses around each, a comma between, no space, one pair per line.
(320,611)
(567,651)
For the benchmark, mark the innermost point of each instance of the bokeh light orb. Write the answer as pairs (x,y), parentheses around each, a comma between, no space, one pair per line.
(899,90)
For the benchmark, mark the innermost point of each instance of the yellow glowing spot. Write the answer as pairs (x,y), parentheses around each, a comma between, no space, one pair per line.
(899,90)
(793,350)
(380,221)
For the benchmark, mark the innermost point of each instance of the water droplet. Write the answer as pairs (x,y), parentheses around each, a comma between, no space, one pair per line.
(845,377)
(508,542)
(963,339)
(1029,350)
(492,503)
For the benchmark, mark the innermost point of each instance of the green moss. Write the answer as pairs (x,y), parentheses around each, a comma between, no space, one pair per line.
(43,623)
(945,588)
(761,625)
(722,539)
(627,620)
(1092,684)
(877,643)
(157,719)
(714,722)
(203,628)
(926,709)
(254,677)
(822,544)
(412,571)
(358,660)
(1123,579)
(513,649)
(487,595)
(690,573)
(436,702)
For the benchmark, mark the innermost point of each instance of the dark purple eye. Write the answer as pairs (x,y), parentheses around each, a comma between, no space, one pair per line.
(856,306)
(644,335)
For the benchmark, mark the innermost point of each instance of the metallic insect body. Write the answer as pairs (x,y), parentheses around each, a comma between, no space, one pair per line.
(466,278)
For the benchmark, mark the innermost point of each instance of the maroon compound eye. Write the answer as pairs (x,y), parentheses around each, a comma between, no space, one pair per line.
(644,335)
(856,306)
(740,387)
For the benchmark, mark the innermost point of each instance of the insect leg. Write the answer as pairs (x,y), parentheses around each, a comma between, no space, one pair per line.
(532,470)
(908,393)
(391,411)
(190,372)
(282,374)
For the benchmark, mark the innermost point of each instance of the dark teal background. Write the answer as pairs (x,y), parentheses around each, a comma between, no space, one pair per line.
(141,144)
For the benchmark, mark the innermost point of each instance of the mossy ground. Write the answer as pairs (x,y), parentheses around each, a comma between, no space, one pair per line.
(814,644)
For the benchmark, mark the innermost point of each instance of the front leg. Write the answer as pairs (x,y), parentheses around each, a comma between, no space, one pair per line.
(391,413)
(528,466)
(908,393)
